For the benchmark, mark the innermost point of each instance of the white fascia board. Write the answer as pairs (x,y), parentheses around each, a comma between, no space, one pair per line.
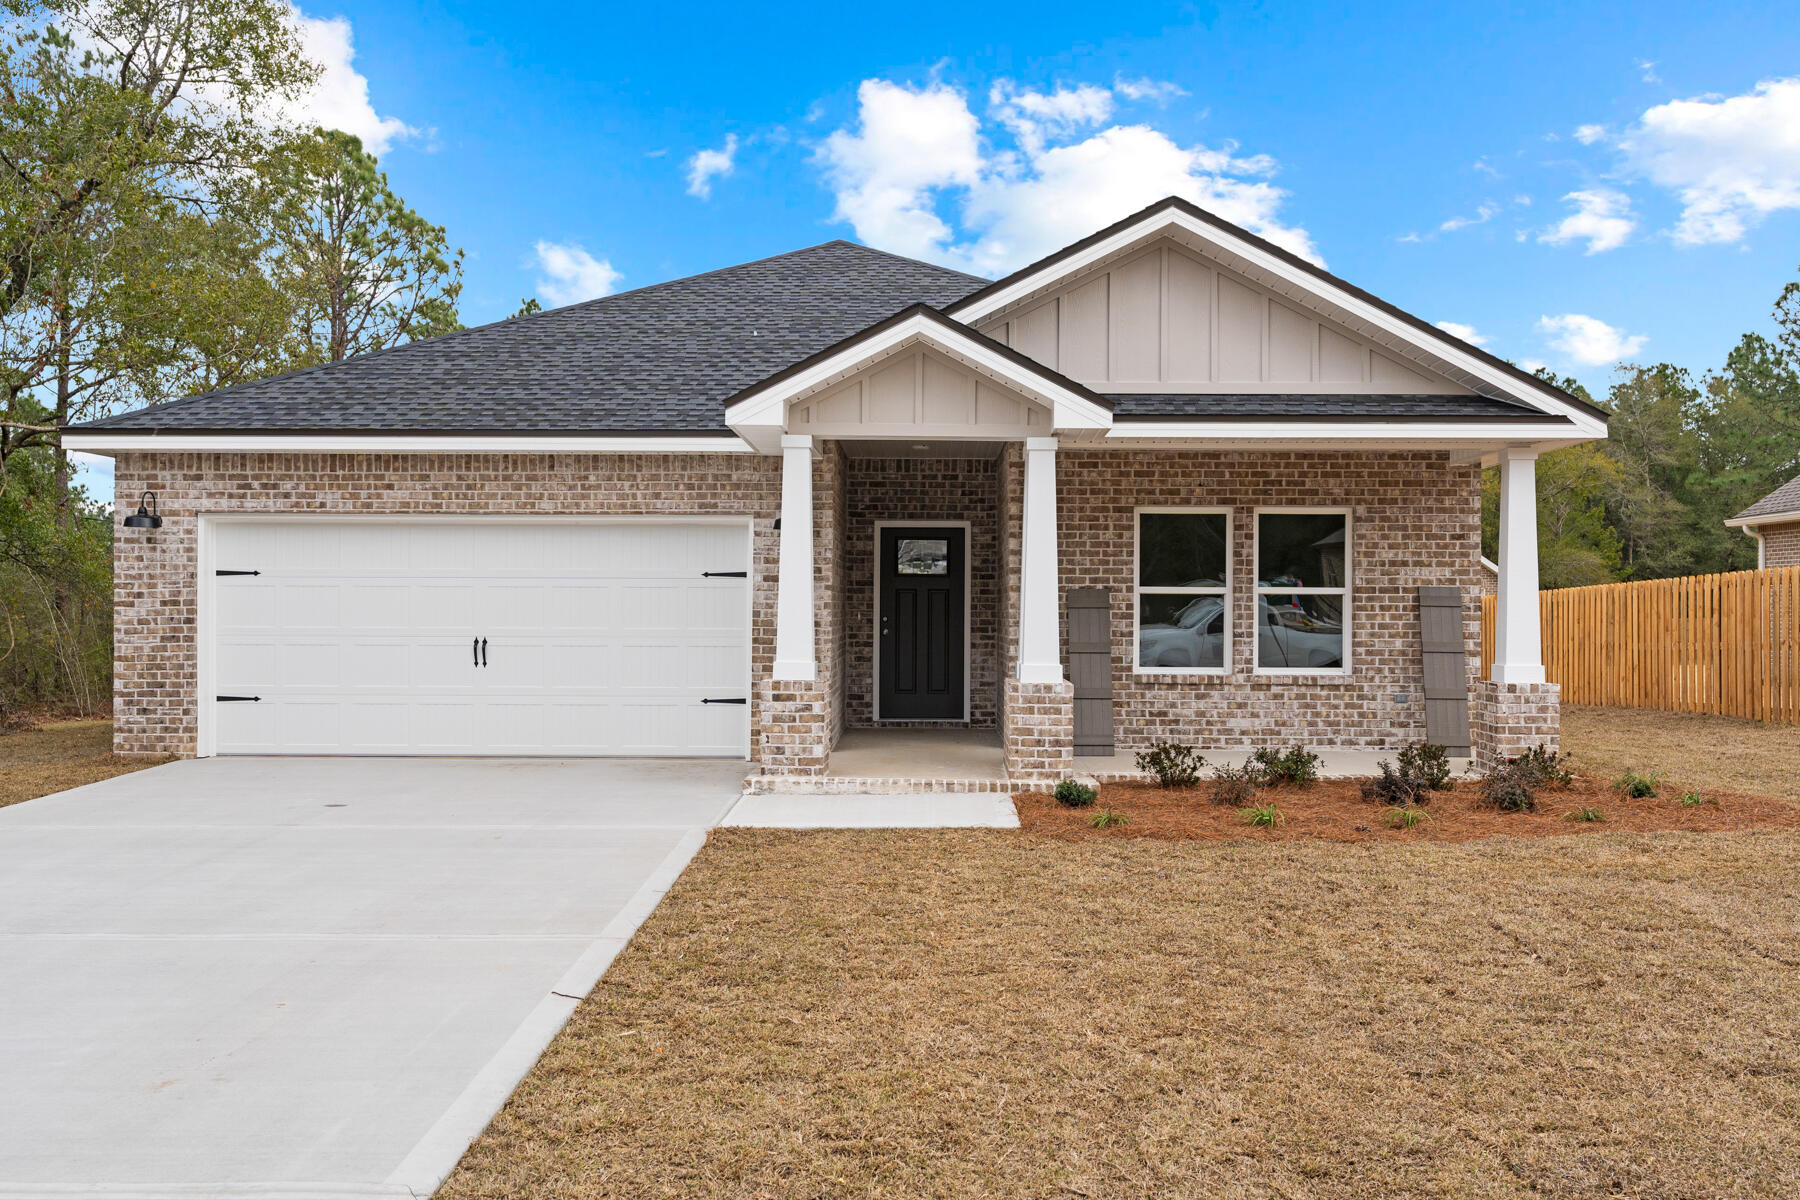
(768,407)
(1460,433)
(101,442)
(1263,260)
(1780,518)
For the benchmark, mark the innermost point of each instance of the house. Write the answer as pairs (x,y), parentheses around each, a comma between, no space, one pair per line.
(745,512)
(1774,521)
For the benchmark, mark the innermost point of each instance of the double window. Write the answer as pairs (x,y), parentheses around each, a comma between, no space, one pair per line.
(1301,590)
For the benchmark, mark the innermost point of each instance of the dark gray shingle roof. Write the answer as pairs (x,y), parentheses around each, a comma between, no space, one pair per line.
(661,359)
(1328,407)
(1784,499)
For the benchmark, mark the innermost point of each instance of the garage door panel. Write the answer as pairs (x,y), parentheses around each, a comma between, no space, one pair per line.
(360,636)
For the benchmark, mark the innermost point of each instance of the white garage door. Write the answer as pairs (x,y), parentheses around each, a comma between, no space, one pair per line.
(460,637)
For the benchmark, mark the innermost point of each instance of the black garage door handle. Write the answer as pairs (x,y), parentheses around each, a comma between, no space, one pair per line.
(725,700)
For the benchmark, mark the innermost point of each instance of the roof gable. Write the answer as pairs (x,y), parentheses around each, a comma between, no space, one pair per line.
(1295,282)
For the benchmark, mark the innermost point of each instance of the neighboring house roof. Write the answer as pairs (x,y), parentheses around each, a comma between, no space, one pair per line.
(661,359)
(1308,407)
(1784,501)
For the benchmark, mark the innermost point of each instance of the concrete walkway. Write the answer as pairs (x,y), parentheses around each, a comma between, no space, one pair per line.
(309,977)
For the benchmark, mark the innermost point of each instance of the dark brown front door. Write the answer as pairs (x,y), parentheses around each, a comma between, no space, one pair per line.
(921,624)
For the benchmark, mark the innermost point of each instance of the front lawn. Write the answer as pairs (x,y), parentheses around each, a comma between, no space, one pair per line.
(58,755)
(962,1014)
(1725,753)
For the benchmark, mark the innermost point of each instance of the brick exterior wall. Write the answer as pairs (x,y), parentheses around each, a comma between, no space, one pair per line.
(1507,719)
(154,592)
(1781,545)
(1039,739)
(1415,519)
(922,489)
(794,736)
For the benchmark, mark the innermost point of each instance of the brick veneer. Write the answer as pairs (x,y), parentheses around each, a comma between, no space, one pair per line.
(794,737)
(1781,545)
(1039,739)
(1507,719)
(154,605)
(922,489)
(1415,519)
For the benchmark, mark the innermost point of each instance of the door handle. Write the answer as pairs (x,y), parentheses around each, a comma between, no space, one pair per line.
(484,652)
(475,652)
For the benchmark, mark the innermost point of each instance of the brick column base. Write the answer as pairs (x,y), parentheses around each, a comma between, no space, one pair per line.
(795,728)
(1039,730)
(1511,718)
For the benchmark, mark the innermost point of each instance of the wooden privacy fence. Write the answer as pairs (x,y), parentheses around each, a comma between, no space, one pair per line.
(1726,644)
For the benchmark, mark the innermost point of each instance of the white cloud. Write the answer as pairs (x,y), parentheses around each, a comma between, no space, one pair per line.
(1732,160)
(916,160)
(1647,71)
(1485,167)
(706,165)
(1484,213)
(1602,218)
(1531,366)
(1588,341)
(1159,90)
(1587,135)
(571,274)
(1457,329)
(340,98)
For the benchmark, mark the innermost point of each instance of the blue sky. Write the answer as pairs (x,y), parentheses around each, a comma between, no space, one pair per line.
(1575,184)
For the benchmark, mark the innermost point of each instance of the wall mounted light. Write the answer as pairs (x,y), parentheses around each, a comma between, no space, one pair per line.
(146,516)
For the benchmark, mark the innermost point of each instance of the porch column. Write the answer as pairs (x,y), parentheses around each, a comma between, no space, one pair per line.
(1039,657)
(1518,641)
(795,647)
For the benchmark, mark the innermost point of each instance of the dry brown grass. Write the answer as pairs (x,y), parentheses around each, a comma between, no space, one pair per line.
(1723,753)
(960,1014)
(58,755)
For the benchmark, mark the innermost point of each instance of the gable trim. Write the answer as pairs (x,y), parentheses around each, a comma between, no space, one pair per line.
(1178,213)
(1072,405)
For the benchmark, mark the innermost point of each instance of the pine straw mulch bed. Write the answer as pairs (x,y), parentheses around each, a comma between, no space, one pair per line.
(1333,810)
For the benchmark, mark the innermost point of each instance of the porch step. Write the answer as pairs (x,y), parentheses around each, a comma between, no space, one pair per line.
(951,810)
(853,785)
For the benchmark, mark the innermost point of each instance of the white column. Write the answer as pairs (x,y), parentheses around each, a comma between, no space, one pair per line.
(1040,658)
(1518,641)
(794,643)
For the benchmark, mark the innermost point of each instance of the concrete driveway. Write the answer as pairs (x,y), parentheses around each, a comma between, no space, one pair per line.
(309,977)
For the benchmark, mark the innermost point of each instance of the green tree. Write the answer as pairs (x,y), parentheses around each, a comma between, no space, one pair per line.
(1747,427)
(367,271)
(1651,438)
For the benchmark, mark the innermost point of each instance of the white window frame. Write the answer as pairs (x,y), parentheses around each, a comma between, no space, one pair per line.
(1258,591)
(1138,590)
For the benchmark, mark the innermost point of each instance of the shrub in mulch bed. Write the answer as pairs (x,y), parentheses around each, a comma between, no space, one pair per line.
(1335,810)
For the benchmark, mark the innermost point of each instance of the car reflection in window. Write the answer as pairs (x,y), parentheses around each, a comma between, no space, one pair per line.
(1181,631)
(1299,631)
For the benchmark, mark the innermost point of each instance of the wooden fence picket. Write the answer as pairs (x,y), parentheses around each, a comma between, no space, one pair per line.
(1725,644)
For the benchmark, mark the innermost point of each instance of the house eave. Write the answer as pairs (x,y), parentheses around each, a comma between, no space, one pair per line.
(101,441)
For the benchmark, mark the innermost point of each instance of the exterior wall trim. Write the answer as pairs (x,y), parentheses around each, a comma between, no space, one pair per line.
(968,616)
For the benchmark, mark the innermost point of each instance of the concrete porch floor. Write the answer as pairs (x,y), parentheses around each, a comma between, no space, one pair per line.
(1333,764)
(918,753)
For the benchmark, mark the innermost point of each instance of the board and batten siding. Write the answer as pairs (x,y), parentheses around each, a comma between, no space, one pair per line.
(918,394)
(1165,320)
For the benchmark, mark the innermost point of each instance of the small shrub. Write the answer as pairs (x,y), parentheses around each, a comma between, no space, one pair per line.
(1407,817)
(1265,815)
(1509,788)
(1234,786)
(1174,765)
(1296,765)
(1429,763)
(1638,787)
(1543,767)
(1587,814)
(1075,794)
(1404,788)
(1695,800)
(1106,819)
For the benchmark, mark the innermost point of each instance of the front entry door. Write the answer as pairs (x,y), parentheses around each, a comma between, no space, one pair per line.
(922,625)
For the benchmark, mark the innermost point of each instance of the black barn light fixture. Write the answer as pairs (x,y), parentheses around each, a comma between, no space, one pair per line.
(146,516)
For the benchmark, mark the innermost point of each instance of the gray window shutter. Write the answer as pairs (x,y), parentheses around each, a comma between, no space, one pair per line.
(1446,668)
(1090,669)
